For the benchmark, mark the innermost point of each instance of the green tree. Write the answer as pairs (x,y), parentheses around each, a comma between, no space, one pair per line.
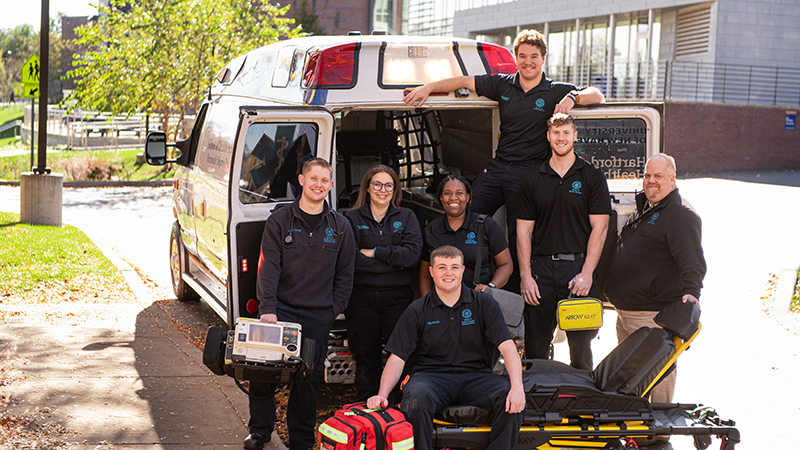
(162,55)
(306,16)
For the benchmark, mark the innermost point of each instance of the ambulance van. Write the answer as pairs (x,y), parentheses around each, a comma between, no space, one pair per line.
(341,98)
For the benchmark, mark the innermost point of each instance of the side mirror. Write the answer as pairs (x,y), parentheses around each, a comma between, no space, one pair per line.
(155,148)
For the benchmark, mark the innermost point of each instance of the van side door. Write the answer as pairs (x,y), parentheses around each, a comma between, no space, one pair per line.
(271,147)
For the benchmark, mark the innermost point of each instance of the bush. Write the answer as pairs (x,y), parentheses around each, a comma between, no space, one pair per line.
(86,167)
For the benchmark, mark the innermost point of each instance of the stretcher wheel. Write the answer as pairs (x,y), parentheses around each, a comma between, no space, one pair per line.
(702,441)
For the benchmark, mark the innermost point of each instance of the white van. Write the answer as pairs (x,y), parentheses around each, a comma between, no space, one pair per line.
(341,98)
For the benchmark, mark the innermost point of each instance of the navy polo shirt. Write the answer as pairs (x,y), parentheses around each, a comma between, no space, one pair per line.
(523,115)
(561,206)
(438,232)
(460,339)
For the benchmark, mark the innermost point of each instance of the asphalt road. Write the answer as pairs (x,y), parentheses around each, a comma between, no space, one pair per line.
(745,361)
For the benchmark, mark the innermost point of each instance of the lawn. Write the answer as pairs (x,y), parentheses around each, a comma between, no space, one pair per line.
(61,260)
(9,113)
(88,165)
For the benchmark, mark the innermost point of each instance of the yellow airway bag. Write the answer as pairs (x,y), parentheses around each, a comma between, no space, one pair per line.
(577,314)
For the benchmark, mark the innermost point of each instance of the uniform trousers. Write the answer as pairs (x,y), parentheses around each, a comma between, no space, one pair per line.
(498,186)
(301,411)
(371,318)
(553,278)
(427,392)
(627,323)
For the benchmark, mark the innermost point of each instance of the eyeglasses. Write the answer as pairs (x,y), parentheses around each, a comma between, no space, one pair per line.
(377,186)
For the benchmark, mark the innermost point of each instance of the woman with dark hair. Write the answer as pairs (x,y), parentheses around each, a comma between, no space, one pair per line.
(459,228)
(389,240)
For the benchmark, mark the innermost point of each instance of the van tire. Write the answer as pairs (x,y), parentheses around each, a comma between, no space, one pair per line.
(183,292)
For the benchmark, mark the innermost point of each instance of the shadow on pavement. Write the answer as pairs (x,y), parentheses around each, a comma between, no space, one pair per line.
(776,177)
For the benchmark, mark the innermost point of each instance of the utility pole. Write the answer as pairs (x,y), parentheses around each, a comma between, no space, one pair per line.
(44,63)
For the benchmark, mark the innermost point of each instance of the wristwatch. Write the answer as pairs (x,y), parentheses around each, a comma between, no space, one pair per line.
(492,285)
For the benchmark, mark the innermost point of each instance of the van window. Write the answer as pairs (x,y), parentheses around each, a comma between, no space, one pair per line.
(216,141)
(273,156)
(618,147)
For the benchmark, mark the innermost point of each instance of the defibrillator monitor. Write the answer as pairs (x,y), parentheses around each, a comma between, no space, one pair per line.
(260,342)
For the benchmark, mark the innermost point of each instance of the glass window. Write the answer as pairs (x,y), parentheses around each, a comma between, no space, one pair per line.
(618,147)
(273,155)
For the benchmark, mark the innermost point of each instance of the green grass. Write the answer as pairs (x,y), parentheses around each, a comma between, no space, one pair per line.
(88,165)
(35,254)
(9,113)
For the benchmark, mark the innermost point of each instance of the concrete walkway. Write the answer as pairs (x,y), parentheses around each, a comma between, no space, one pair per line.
(122,377)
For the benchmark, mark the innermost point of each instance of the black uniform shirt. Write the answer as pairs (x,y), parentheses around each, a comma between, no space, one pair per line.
(561,206)
(397,241)
(460,339)
(523,115)
(438,232)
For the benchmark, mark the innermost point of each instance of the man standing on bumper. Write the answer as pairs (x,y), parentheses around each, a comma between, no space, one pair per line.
(562,219)
(305,276)
(454,335)
(527,99)
(657,260)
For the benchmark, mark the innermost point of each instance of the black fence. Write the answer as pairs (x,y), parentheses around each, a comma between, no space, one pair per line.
(692,81)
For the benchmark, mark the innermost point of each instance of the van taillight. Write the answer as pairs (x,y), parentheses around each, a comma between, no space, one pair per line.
(496,59)
(332,67)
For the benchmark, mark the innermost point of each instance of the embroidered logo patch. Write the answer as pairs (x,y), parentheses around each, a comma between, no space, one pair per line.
(576,187)
(471,238)
(329,238)
(653,218)
(397,227)
(466,318)
(539,105)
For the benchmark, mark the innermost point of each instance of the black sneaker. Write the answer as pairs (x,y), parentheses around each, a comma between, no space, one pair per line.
(255,441)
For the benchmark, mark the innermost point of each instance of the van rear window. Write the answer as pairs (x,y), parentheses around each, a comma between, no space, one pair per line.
(413,65)
(618,147)
(273,155)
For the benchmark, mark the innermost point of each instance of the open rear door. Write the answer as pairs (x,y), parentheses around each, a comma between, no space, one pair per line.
(271,147)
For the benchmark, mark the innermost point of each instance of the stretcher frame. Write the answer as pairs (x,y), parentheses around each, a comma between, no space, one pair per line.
(602,430)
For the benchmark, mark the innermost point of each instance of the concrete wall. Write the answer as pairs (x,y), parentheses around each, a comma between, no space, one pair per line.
(758,32)
(712,137)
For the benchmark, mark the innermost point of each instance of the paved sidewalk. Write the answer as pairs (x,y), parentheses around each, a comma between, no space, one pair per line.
(125,379)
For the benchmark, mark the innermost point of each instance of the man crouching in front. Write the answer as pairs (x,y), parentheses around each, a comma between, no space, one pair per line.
(454,335)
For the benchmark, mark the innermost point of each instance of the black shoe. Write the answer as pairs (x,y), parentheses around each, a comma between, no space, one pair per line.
(255,442)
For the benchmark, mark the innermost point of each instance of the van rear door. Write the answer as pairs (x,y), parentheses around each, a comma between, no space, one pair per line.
(271,147)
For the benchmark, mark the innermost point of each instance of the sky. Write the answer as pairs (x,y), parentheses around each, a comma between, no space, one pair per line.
(18,12)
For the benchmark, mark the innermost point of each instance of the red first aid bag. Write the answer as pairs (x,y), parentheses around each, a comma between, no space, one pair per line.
(355,427)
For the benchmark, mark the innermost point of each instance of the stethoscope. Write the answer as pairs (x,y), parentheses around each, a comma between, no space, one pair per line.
(288,239)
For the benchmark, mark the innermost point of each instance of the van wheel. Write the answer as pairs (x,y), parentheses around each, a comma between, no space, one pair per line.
(182,291)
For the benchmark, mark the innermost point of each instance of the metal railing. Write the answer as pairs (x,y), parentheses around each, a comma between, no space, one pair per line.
(83,130)
(686,80)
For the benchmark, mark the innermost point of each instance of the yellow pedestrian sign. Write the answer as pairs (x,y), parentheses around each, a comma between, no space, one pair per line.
(30,90)
(30,72)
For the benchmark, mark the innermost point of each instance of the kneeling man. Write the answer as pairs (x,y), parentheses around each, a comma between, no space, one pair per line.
(454,335)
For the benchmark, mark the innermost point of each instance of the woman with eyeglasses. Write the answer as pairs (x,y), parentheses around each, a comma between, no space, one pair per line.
(389,243)
(458,227)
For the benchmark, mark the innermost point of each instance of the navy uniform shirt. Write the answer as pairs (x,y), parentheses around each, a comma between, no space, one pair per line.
(561,206)
(523,115)
(460,339)
(438,232)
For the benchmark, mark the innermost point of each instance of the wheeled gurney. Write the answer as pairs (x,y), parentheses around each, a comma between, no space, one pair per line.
(604,408)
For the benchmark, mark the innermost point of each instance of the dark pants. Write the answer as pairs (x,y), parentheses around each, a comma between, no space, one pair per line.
(371,317)
(426,392)
(496,187)
(553,278)
(301,412)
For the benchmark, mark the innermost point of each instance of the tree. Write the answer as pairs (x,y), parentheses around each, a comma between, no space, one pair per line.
(162,55)
(307,18)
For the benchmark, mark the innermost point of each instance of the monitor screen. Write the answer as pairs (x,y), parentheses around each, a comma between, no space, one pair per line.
(266,334)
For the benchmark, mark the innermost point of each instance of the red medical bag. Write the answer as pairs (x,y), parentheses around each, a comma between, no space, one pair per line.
(355,427)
